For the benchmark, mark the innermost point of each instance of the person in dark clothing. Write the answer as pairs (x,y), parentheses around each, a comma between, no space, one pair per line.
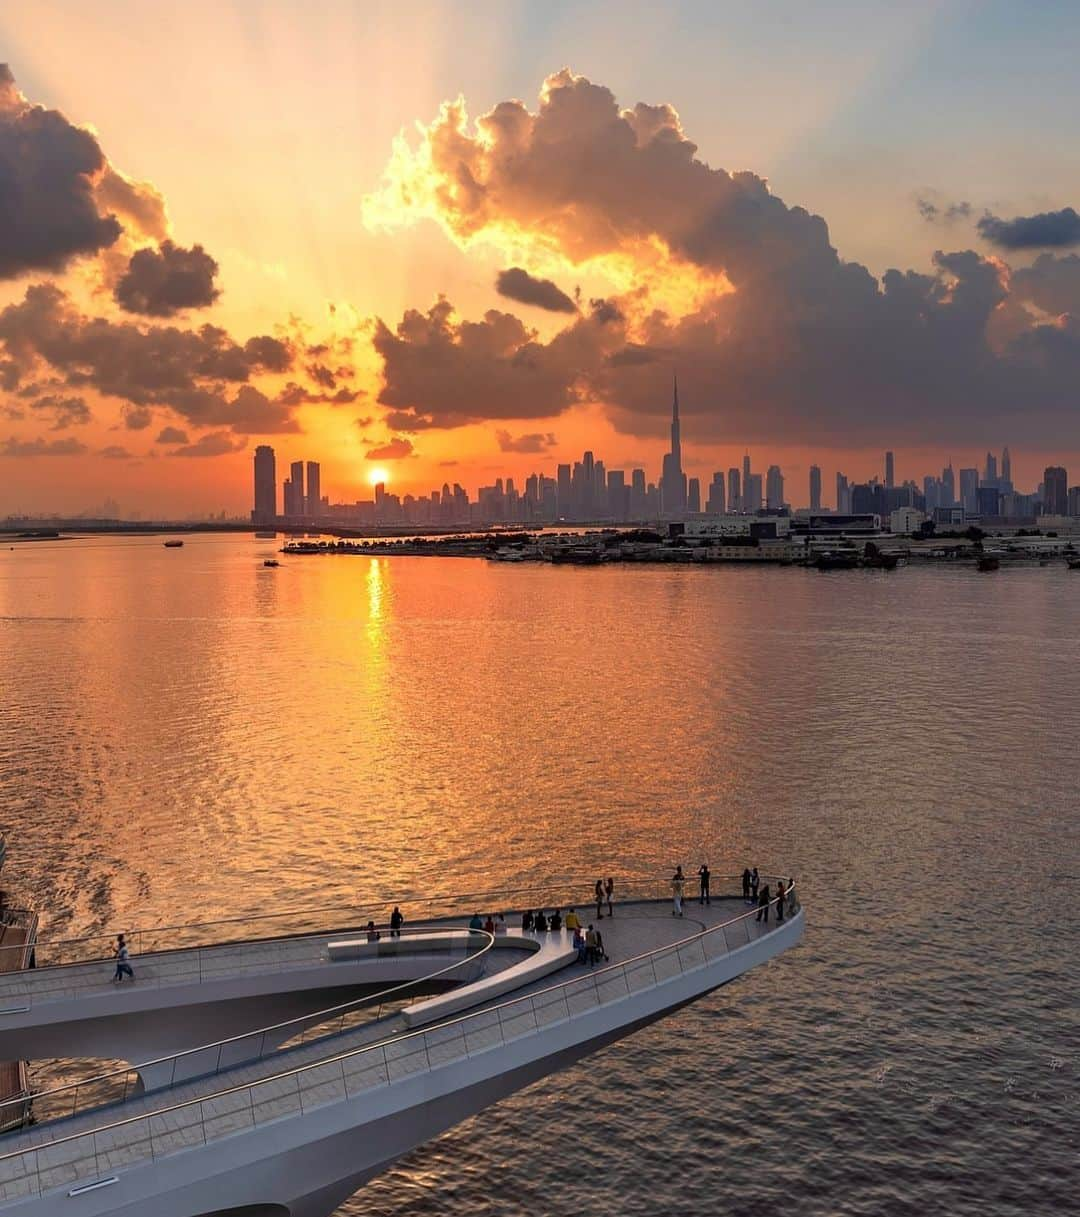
(609,892)
(555,924)
(703,879)
(780,894)
(755,880)
(746,884)
(526,921)
(763,905)
(599,893)
(397,919)
(540,924)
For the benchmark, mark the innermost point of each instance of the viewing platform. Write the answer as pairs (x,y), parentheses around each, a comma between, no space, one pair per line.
(292,1117)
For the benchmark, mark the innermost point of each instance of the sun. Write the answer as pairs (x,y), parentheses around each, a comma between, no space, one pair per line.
(377,475)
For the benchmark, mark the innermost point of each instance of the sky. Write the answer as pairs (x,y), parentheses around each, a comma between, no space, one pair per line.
(455,242)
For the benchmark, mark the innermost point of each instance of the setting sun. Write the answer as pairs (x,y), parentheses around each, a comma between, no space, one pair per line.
(377,475)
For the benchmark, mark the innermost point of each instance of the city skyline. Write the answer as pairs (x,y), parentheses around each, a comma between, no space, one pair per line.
(827,285)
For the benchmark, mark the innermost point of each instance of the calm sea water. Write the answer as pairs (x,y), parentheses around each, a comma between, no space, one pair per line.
(187,735)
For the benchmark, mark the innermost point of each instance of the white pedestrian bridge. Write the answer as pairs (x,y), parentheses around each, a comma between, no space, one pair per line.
(286,1116)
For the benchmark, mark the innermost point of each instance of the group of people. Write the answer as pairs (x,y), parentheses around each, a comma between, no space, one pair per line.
(678,888)
(756,894)
(588,942)
(397,920)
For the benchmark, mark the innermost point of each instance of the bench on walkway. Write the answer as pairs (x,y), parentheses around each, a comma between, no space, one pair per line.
(547,954)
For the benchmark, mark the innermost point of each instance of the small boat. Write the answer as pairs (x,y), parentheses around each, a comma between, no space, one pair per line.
(173,544)
(271,562)
(989,562)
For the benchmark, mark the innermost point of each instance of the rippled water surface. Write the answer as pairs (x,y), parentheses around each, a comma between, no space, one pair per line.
(186,735)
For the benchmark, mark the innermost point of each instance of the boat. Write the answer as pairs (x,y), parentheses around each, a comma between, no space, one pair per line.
(833,560)
(1074,564)
(173,544)
(271,562)
(989,562)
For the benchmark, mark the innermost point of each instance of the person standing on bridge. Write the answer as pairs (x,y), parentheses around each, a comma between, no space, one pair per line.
(755,880)
(599,893)
(746,884)
(763,905)
(703,879)
(122,956)
(677,882)
(397,920)
(609,892)
(780,894)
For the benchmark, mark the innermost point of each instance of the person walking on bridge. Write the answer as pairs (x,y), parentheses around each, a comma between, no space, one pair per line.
(763,905)
(123,957)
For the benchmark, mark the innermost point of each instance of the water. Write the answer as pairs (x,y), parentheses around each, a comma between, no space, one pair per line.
(187,735)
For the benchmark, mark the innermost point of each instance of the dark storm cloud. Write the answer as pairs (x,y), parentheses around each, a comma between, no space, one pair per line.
(1047,230)
(48,172)
(137,418)
(164,281)
(535,441)
(172,435)
(517,284)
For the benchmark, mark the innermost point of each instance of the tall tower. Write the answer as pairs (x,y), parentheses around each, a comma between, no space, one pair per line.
(265,486)
(890,471)
(1006,466)
(815,487)
(673,480)
(314,490)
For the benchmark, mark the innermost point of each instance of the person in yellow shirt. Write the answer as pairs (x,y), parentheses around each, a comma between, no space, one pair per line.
(573,922)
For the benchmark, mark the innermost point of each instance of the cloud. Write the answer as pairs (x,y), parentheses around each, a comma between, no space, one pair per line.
(253,413)
(139,205)
(164,281)
(48,172)
(214,443)
(518,284)
(137,418)
(172,435)
(66,411)
(41,447)
(188,371)
(947,213)
(771,331)
(395,449)
(1048,229)
(114,452)
(534,442)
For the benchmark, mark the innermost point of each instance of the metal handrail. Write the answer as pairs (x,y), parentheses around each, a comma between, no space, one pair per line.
(321,1015)
(401,1038)
(467,897)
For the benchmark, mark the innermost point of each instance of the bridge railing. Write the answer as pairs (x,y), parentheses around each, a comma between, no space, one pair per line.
(85,1158)
(248,1048)
(173,955)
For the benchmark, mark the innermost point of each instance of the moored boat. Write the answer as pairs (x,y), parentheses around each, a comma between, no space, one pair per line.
(173,544)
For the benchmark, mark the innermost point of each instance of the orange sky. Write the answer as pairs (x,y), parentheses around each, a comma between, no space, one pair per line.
(301,150)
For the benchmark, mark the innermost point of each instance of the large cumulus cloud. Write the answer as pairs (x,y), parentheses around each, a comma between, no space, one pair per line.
(1047,230)
(779,338)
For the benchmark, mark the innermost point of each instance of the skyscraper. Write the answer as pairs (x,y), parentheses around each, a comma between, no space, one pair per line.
(948,486)
(265,485)
(969,484)
(1006,467)
(673,480)
(314,491)
(752,493)
(637,494)
(815,488)
(774,488)
(990,474)
(843,495)
(1055,491)
(693,496)
(734,491)
(746,482)
(714,504)
(890,471)
(563,491)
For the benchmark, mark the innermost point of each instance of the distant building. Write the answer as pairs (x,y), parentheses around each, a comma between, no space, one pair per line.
(843,494)
(988,501)
(1055,491)
(693,496)
(969,484)
(265,510)
(815,488)
(948,486)
(313,498)
(1074,501)
(990,473)
(673,480)
(752,492)
(714,504)
(774,488)
(734,491)
(890,471)
(906,520)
